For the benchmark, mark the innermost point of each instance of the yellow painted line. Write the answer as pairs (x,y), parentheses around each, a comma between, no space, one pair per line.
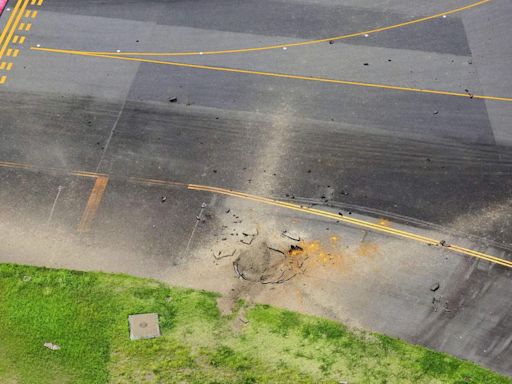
(93,204)
(10,21)
(9,66)
(22,27)
(87,174)
(8,164)
(13,28)
(15,39)
(22,39)
(34,14)
(278,75)
(28,27)
(2,65)
(356,222)
(3,79)
(15,53)
(308,42)
(27,14)
(40,2)
(157,182)
(9,52)
(101,181)
(33,2)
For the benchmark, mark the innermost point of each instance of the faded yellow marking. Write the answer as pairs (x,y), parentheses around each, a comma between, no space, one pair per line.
(3,79)
(28,27)
(15,39)
(22,39)
(9,66)
(367,249)
(384,222)
(302,43)
(33,2)
(2,65)
(93,204)
(40,2)
(27,14)
(21,27)
(34,14)
(15,53)
(280,75)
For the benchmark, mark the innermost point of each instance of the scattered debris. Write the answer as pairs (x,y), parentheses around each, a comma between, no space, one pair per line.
(247,240)
(436,112)
(53,347)
(434,305)
(291,235)
(203,205)
(163,199)
(223,253)
(294,249)
(173,100)
(276,250)
(443,243)
(26,278)
(331,41)
(237,270)
(434,287)
(469,93)
(366,64)
(253,231)
(344,193)
(339,213)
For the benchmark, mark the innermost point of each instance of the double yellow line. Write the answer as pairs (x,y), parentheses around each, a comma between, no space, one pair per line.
(12,24)
(101,181)
(356,222)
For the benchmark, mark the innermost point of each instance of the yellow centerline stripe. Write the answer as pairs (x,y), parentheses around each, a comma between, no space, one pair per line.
(9,21)
(357,222)
(93,204)
(278,75)
(101,185)
(308,42)
(13,29)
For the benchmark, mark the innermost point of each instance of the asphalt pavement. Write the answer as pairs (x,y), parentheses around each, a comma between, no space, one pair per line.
(408,124)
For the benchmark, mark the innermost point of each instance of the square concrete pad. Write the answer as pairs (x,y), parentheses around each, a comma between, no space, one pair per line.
(144,326)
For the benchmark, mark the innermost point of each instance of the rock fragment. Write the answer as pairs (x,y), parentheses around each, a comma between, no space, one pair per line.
(53,347)
(291,235)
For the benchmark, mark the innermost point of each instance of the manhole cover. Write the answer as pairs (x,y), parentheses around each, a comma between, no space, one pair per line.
(144,326)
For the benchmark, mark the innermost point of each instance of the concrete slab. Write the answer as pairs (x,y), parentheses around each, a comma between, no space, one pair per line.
(144,326)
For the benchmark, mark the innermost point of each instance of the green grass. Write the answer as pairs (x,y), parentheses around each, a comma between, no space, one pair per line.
(86,314)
